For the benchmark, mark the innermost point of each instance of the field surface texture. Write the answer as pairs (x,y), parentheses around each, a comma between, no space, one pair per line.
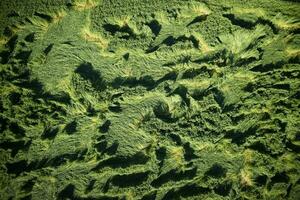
(149,99)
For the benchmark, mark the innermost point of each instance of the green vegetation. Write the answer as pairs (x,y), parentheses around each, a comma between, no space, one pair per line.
(149,99)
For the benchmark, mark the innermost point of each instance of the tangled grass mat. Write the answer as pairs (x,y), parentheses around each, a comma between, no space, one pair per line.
(149,99)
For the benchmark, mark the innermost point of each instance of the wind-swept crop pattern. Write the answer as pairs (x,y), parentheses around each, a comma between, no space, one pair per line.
(149,99)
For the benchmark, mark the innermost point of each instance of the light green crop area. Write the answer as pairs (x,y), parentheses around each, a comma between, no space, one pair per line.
(149,99)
